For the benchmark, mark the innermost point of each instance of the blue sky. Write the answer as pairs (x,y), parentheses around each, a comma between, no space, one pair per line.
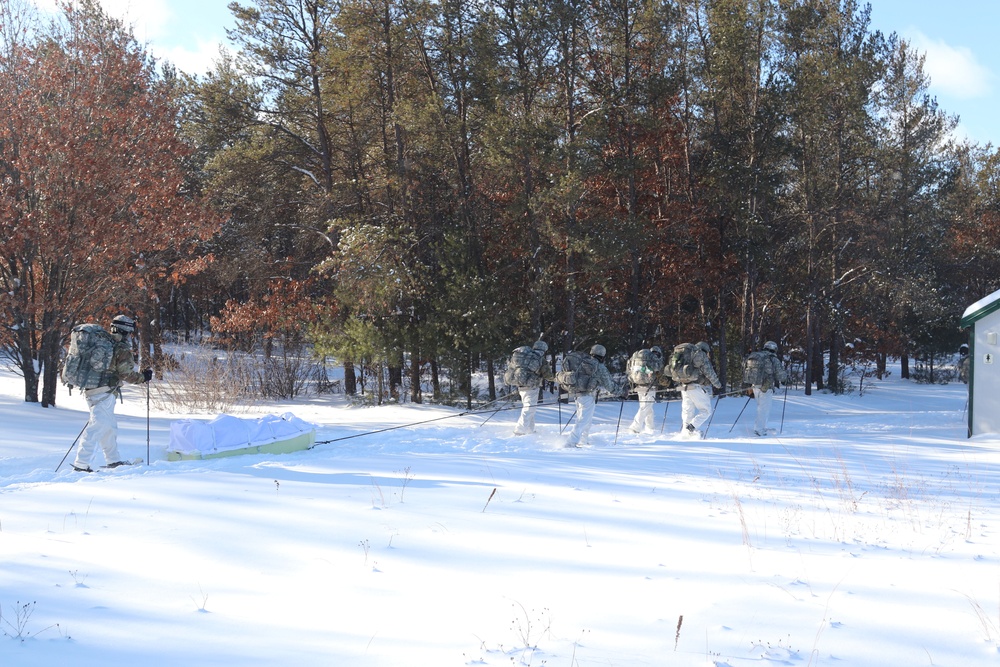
(963,56)
(959,38)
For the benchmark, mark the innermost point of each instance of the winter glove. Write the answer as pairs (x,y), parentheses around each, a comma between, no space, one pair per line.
(749,391)
(717,391)
(147,375)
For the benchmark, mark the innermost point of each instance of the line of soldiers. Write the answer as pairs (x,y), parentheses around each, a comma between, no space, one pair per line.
(583,376)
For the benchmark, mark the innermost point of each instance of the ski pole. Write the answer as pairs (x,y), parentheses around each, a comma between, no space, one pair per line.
(711,416)
(562,428)
(502,406)
(749,398)
(666,406)
(559,405)
(492,415)
(620,411)
(784,402)
(486,406)
(72,446)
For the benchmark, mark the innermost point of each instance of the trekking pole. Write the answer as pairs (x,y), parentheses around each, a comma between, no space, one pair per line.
(784,402)
(502,407)
(503,398)
(620,411)
(666,406)
(711,416)
(559,405)
(72,446)
(492,414)
(562,428)
(749,398)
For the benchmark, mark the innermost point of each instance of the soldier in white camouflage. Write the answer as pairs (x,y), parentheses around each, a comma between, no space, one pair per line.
(646,374)
(102,429)
(764,373)
(696,397)
(529,380)
(586,397)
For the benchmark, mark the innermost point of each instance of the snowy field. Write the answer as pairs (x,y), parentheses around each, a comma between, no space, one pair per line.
(866,534)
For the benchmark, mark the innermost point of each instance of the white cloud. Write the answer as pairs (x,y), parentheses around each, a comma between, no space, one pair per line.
(147,17)
(197,62)
(152,22)
(953,70)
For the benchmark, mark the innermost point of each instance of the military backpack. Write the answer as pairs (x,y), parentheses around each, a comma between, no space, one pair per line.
(88,362)
(757,367)
(682,368)
(522,370)
(644,367)
(578,372)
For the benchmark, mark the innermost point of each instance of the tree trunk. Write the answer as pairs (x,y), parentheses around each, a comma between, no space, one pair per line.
(415,378)
(817,356)
(570,332)
(491,372)
(435,380)
(637,332)
(809,352)
(723,349)
(350,380)
(26,361)
(51,353)
(833,376)
(395,379)
(468,380)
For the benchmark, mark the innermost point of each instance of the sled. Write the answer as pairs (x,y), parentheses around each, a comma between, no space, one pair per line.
(225,435)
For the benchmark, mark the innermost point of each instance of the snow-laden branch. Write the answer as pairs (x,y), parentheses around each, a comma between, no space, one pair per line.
(307,173)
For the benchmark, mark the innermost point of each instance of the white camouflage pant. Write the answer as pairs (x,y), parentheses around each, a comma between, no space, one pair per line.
(696,405)
(529,404)
(644,418)
(102,429)
(584,416)
(764,400)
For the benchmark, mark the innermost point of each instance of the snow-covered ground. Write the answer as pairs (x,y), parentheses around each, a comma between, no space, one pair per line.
(866,534)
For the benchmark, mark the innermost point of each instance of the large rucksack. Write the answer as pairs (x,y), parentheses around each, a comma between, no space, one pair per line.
(578,373)
(522,370)
(756,368)
(644,367)
(682,368)
(88,361)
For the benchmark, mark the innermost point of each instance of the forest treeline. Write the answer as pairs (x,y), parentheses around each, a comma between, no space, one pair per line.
(420,186)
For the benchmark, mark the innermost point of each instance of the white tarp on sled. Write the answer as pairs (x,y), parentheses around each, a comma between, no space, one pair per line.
(226,435)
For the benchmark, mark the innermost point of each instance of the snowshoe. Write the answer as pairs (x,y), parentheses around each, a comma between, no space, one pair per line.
(117,464)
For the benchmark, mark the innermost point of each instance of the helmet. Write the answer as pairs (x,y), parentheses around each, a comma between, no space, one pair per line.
(964,349)
(540,345)
(703,346)
(771,346)
(656,350)
(122,324)
(598,351)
